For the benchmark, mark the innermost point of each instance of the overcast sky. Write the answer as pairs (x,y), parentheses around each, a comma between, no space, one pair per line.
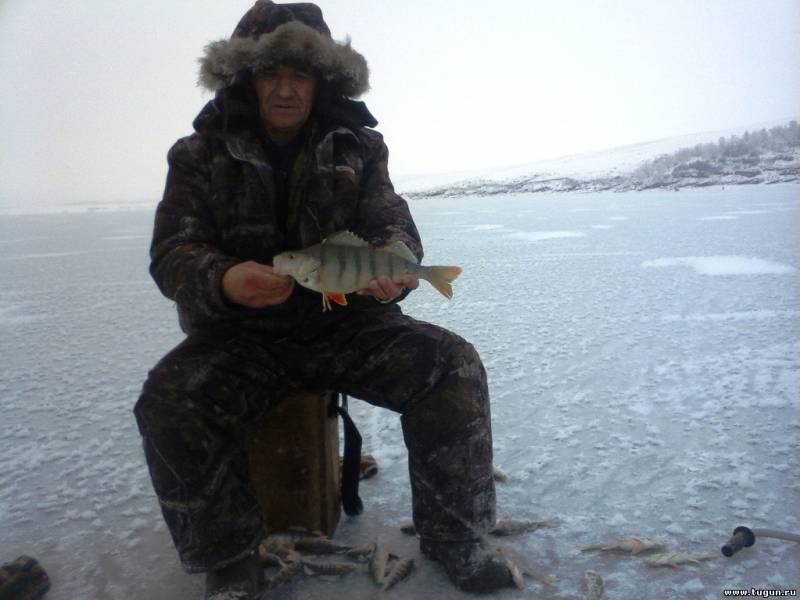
(95,92)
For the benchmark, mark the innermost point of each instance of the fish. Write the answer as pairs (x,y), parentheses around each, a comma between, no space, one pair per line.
(287,574)
(280,546)
(327,568)
(634,545)
(360,551)
(268,558)
(498,475)
(593,584)
(343,263)
(377,563)
(516,572)
(507,526)
(673,559)
(319,545)
(399,571)
(366,469)
(517,565)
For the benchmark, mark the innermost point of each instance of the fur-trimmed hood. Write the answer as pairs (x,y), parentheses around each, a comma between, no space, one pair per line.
(271,34)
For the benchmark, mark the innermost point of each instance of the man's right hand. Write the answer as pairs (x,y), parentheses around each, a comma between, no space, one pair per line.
(255,285)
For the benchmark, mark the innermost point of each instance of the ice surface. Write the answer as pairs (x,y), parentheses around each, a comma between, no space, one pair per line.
(537,236)
(724,265)
(627,400)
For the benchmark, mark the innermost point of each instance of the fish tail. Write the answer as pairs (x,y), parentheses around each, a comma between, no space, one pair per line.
(440,278)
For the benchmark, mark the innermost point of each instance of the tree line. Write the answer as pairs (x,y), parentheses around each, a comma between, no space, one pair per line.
(747,149)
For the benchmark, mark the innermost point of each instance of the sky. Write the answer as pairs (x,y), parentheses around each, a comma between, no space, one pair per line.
(95,92)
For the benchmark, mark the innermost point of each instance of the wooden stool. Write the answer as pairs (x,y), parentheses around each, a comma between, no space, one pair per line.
(294,463)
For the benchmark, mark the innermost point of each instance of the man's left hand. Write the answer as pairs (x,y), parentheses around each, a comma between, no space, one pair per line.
(385,289)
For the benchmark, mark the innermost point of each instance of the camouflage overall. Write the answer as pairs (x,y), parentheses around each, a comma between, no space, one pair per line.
(220,208)
(198,399)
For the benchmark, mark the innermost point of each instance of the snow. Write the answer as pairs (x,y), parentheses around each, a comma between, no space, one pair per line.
(644,379)
(723,265)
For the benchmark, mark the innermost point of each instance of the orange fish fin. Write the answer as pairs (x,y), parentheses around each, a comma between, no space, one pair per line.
(336,297)
(440,278)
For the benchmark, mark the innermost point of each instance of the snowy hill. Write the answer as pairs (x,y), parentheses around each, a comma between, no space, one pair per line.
(670,163)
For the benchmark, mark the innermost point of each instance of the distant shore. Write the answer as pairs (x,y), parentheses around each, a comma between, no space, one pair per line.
(768,169)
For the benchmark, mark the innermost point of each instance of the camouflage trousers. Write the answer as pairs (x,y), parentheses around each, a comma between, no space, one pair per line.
(198,399)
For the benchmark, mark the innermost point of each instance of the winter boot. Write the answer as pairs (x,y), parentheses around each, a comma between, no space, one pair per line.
(243,580)
(472,565)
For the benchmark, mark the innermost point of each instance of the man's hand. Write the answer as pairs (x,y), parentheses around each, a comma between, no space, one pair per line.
(255,285)
(385,289)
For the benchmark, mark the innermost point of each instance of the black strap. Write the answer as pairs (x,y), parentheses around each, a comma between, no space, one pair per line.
(350,465)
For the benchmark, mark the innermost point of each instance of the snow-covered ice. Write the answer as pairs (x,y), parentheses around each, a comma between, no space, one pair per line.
(724,265)
(645,380)
(537,236)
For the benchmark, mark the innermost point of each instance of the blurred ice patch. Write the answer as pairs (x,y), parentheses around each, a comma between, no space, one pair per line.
(723,265)
(537,236)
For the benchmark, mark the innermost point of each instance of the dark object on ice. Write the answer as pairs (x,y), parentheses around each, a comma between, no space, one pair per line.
(744,537)
(472,565)
(350,462)
(243,580)
(23,579)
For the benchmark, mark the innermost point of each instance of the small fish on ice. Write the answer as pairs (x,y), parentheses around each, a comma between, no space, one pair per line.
(507,526)
(518,567)
(634,545)
(674,559)
(377,563)
(399,571)
(593,584)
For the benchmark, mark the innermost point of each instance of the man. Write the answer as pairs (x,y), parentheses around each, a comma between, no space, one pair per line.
(281,158)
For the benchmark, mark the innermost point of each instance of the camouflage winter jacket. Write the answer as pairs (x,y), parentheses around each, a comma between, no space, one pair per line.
(219,209)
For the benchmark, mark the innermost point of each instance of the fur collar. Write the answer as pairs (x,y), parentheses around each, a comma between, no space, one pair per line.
(295,43)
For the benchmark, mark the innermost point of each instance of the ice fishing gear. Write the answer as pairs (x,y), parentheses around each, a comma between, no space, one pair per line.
(744,537)
(352,459)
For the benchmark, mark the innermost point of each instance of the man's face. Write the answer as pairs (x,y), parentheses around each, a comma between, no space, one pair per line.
(285,98)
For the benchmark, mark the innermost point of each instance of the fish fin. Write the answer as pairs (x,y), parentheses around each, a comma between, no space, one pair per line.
(326,304)
(398,248)
(440,278)
(337,297)
(345,238)
(516,574)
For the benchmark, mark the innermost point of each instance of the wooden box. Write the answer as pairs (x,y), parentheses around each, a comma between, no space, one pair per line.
(293,456)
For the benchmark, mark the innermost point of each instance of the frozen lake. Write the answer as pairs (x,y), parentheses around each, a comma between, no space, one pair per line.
(643,352)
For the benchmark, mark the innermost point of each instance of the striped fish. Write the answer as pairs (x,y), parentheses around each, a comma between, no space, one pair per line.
(399,571)
(343,263)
